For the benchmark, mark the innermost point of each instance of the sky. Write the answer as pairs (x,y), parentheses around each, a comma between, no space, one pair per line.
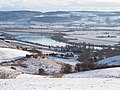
(60,5)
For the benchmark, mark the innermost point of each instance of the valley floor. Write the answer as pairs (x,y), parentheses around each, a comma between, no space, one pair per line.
(102,79)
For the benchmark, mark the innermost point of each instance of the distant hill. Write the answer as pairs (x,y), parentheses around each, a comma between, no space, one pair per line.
(15,15)
(59,16)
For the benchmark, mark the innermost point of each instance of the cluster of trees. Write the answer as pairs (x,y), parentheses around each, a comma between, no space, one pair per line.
(88,56)
(36,53)
(87,52)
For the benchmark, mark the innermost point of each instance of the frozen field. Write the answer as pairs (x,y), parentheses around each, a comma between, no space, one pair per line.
(82,36)
(91,37)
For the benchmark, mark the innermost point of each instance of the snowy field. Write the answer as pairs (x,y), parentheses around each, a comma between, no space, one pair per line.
(7,54)
(36,38)
(102,79)
(91,37)
(30,82)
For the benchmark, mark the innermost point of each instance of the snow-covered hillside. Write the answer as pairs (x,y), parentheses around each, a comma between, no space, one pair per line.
(7,54)
(33,66)
(100,73)
(110,61)
(108,80)
(6,73)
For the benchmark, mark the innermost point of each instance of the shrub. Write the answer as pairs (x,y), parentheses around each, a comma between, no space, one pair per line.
(58,75)
(78,67)
(13,68)
(24,49)
(28,56)
(66,68)
(23,65)
(86,65)
(35,56)
(41,71)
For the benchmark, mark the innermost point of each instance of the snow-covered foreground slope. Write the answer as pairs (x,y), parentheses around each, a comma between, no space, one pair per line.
(6,73)
(100,73)
(78,81)
(7,54)
(110,61)
(31,82)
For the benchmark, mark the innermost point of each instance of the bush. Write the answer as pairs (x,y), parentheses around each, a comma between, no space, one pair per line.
(58,75)
(36,51)
(86,65)
(66,68)
(35,56)
(28,56)
(13,68)
(78,67)
(41,71)
(23,65)
(24,49)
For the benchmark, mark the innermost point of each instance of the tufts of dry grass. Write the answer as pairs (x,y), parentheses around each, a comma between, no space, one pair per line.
(58,75)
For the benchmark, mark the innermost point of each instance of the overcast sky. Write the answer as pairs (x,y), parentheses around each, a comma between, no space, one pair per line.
(60,5)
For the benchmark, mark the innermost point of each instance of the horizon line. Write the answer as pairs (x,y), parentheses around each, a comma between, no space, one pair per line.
(64,10)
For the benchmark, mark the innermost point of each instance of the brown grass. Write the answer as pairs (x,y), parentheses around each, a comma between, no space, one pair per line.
(58,75)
